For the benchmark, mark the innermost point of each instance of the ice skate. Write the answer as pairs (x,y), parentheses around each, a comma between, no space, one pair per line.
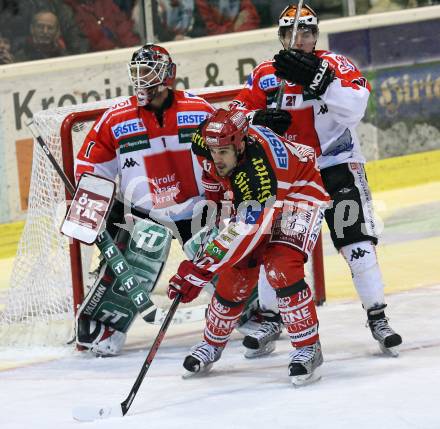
(388,340)
(262,341)
(304,363)
(201,359)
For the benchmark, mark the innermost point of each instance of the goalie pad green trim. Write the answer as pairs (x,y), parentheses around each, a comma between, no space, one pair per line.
(115,301)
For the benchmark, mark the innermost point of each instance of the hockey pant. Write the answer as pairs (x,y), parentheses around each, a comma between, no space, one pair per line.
(294,297)
(353,231)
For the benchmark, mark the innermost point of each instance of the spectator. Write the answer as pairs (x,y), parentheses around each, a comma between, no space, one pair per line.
(5,51)
(44,40)
(269,11)
(16,18)
(126,5)
(226,16)
(173,19)
(103,23)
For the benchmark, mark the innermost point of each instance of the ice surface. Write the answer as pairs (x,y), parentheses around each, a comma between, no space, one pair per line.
(360,388)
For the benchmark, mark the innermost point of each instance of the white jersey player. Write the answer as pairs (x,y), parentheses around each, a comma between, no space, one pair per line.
(324,100)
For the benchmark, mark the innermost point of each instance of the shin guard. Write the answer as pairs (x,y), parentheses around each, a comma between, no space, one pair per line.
(221,319)
(298,313)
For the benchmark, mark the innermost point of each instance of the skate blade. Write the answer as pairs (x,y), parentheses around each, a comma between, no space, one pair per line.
(390,351)
(201,373)
(262,351)
(306,379)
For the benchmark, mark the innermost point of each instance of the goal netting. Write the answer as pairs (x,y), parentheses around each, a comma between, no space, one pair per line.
(50,274)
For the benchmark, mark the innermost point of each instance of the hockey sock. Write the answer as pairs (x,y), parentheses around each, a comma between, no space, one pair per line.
(221,318)
(367,278)
(298,313)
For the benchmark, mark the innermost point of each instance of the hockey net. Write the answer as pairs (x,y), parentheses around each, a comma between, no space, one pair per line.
(50,274)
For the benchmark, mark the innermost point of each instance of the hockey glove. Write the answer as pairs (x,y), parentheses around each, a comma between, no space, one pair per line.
(277,120)
(307,70)
(189,281)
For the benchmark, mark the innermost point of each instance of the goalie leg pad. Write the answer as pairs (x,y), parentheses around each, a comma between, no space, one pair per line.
(107,303)
(99,338)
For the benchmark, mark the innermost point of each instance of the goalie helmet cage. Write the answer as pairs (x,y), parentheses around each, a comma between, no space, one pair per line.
(47,281)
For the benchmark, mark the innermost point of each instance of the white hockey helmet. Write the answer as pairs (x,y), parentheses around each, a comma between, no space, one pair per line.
(308,20)
(150,67)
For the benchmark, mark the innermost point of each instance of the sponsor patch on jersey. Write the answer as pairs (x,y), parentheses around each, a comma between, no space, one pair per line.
(250,215)
(186,134)
(190,118)
(133,144)
(344,64)
(215,251)
(127,128)
(278,149)
(269,81)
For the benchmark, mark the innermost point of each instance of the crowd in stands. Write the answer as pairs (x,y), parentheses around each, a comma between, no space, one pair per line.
(39,29)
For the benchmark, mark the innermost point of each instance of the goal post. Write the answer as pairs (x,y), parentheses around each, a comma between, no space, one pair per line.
(50,271)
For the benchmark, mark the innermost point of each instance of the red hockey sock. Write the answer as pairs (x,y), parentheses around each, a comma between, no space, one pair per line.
(298,313)
(221,318)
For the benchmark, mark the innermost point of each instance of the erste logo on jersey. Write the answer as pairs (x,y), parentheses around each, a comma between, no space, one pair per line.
(190,118)
(278,149)
(127,128)
(269,81)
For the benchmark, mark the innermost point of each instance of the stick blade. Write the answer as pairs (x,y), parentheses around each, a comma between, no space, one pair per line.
(87,413)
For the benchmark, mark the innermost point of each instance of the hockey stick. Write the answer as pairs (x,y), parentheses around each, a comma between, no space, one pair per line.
(280,94)
(89,413)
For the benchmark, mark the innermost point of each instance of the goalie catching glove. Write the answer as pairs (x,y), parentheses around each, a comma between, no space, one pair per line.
(277,120)
(305,69)
(189,281)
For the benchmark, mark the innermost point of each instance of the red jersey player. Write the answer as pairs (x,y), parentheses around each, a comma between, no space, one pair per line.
(278,200)
(145,142)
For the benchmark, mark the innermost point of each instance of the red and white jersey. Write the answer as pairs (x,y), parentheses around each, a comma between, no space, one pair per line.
(327,123)
(153,161)
(275,176)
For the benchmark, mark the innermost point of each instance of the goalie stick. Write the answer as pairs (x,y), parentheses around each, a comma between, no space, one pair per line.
(291,44)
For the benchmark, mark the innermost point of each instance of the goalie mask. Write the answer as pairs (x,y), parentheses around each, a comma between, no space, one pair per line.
(150,71)
(307,33)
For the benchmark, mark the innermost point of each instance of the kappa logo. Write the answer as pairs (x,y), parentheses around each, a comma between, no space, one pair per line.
(358,253)
(323,110)
(130,162)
